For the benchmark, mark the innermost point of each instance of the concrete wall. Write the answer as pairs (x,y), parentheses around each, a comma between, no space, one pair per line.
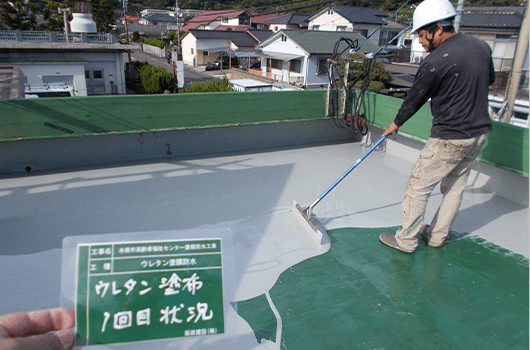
(154,50)
(57,118)
(46,154)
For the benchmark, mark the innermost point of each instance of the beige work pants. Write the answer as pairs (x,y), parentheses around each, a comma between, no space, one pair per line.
(447,162)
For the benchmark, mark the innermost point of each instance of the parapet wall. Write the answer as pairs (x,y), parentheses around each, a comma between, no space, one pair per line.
(25,121)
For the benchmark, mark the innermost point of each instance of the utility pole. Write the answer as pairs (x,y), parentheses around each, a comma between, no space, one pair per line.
(458,19)
(517,69)
(65,13)
(177,12)
(124,5)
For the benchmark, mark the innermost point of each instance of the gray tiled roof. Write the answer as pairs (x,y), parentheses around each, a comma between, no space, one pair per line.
(292,18)
(238,38)
(490,20)
(323,42)
(493,16)
(260,34)
(160,17)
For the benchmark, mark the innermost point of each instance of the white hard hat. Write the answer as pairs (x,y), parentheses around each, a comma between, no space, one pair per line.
(430,11)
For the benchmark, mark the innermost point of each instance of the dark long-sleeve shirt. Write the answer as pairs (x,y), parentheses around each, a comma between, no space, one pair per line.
(455,76)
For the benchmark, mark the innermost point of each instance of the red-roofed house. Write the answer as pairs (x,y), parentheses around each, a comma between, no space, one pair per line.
(235,28)
(130,19)
(210,20)
(258,21)
(289,21)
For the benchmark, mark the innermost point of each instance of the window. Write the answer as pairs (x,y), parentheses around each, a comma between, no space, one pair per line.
(284,38)
(316,27)
(192,50)
(224,20)
(95,81)
(363,32)
(295,66)
(385,37)
(277,64)
(322,66)
(341,28)
(205,53)
(330,11)
(275,28)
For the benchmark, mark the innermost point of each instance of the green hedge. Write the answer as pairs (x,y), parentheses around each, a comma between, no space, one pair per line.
(156,42)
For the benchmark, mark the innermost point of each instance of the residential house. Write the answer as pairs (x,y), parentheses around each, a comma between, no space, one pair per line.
(155,24)
(210,20)
(88,64)
(147,12)
(362,20)
(130,19)
(199,47)
(299,57)
(184,12)
(190,12)
(260,34)
(290,21)
(499,26)
(258,21)
(158,19)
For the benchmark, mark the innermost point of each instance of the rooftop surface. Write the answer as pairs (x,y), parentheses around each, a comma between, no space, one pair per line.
(352,292)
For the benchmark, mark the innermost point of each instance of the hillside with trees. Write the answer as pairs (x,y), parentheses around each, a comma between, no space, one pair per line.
(299,6)
(42,15)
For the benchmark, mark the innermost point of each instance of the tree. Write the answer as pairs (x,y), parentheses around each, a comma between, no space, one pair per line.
(136,36)
(155,80)
(102,15)
(216,85)
(18,15)
(358,65)
(53,21)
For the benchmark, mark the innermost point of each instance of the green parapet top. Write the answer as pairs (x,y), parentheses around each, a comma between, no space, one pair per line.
(28,119)
(32,119)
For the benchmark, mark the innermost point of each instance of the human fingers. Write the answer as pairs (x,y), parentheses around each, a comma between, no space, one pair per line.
(62,340)
(391,128)
(36,322)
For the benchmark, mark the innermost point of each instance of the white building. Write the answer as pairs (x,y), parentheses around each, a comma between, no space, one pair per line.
(91,64)
(362,20)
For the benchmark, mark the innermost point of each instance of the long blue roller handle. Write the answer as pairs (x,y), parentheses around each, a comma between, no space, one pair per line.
(363,157)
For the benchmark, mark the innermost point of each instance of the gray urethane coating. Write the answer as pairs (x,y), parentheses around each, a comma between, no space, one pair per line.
(250,194)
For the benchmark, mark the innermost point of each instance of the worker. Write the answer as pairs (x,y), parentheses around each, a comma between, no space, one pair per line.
(455,76)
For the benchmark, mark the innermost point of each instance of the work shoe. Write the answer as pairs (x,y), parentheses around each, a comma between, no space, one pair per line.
(390,240)
(425,233)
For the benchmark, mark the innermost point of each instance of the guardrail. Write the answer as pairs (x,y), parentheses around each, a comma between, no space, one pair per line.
(39,36)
